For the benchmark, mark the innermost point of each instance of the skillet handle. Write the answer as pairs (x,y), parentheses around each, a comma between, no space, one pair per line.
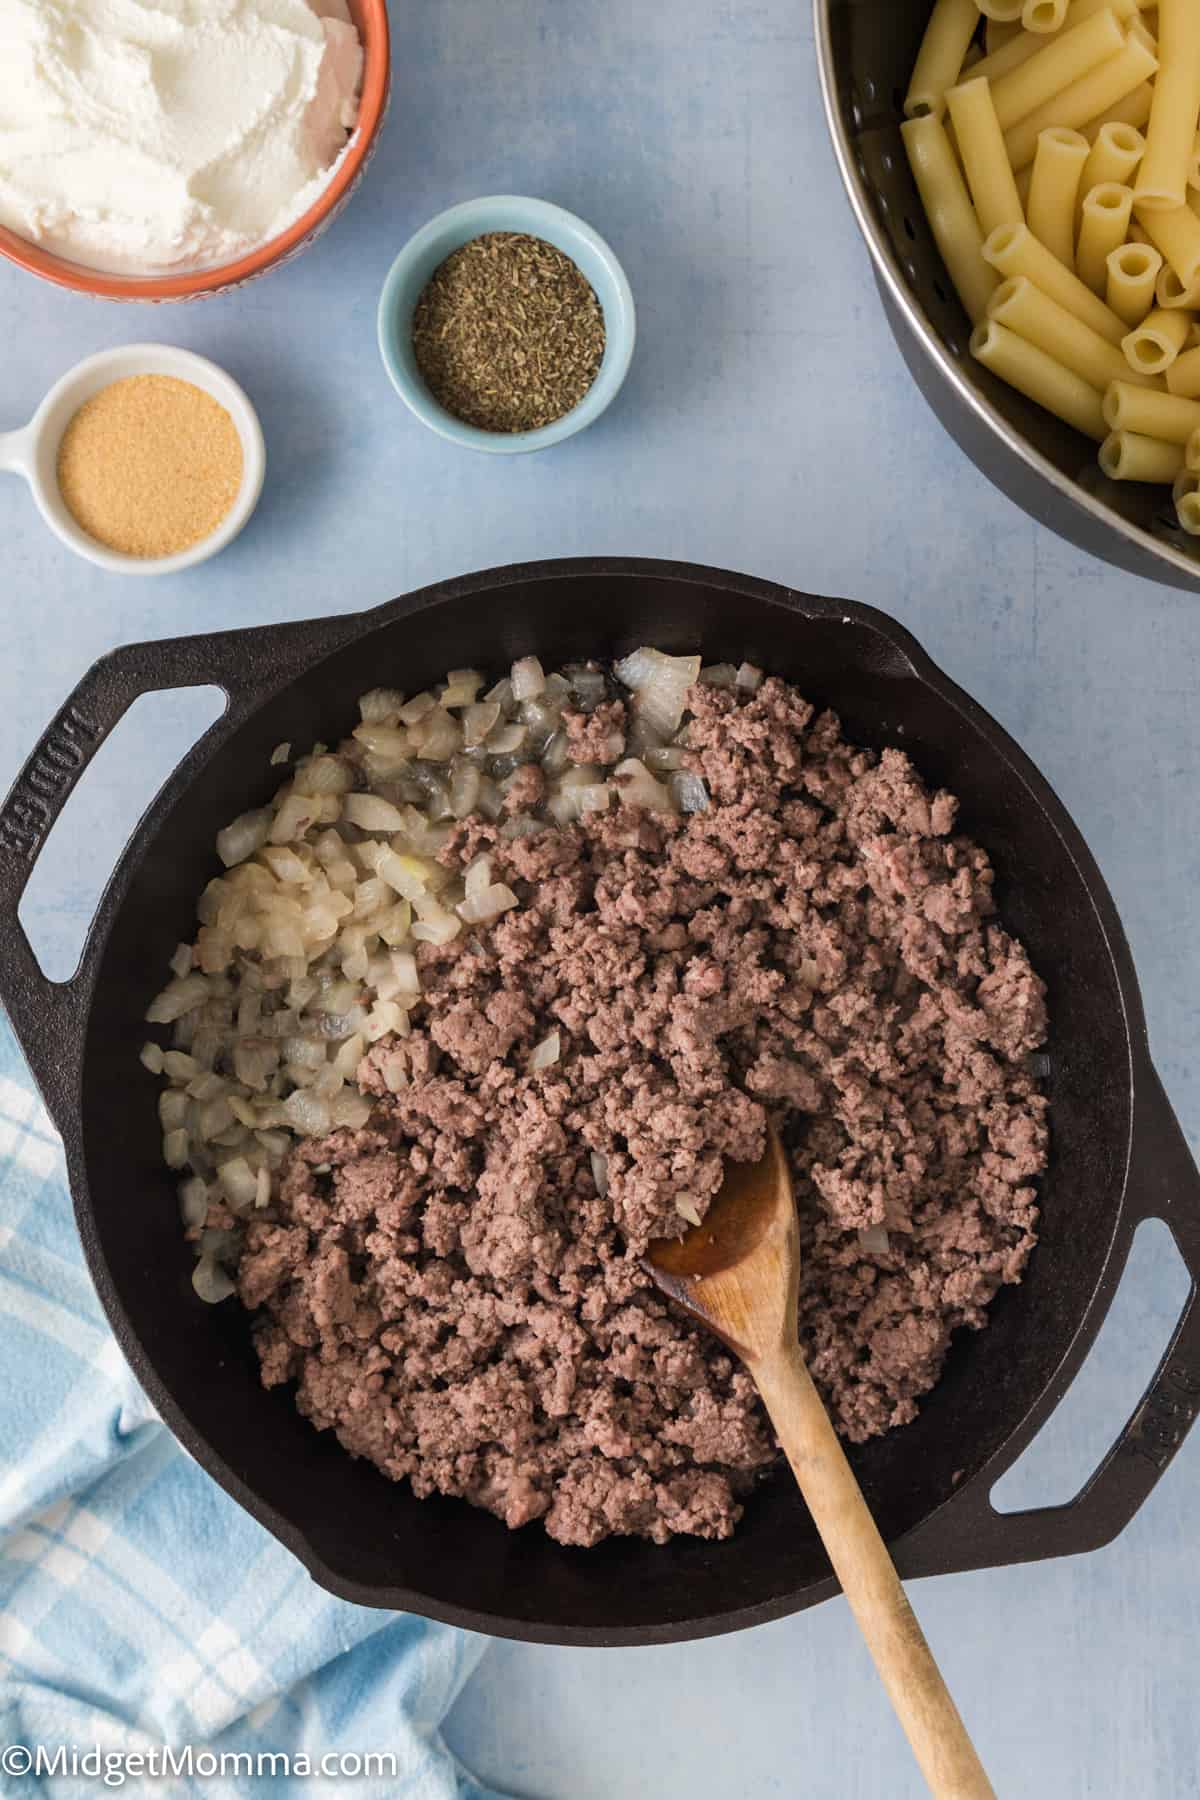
(969,1533)
(49,1016)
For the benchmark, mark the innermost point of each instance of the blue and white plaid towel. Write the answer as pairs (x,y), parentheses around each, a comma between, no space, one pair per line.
(140,1608)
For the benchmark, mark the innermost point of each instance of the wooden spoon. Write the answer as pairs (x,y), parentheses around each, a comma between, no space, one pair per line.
(739,1274)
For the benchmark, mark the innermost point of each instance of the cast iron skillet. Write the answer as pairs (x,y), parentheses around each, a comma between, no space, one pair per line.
(1118,1156)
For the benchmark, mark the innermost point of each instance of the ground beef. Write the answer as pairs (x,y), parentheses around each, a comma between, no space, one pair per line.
(457,1290)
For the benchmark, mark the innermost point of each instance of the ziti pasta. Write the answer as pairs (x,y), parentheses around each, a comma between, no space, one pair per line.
(1055,146)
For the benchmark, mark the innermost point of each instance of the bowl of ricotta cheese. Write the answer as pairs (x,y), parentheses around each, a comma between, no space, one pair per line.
(168,149)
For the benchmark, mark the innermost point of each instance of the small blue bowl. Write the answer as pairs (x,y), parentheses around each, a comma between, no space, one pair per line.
(425,252)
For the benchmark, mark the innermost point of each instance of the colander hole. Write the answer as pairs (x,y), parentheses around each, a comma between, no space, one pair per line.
(910,229)
(941,293)
(856,113)
(887,162)
(910,269)
(898,100)
(869,90)
(882,202)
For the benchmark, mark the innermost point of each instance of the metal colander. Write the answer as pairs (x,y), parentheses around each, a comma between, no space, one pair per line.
(865,51)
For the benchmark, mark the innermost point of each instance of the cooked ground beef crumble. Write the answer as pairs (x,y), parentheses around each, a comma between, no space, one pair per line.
(456,1289)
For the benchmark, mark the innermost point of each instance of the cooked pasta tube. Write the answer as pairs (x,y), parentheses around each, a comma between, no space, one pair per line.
(1044,15)
(1133,110)
(1127,456)
(1020,45)
(1176,234)
(1132,272)
(1186,495)
(1094,97)
(1170,292)
(1103,227)
(1152,346)
(1151,413)
(1005,12)
(1024,309)
(1171,133)
(1053,189)
(981,150)
(1114,156)
(1013,250)
(1039,377)
(1071,56)
(1183,376)
(949,211)
(1192,452)
(947,36)
(1193,172)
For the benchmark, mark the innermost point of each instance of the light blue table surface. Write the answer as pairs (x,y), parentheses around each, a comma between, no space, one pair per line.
(768,425)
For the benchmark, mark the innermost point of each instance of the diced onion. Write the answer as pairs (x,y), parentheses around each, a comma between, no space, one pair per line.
(370,813)
(528,678)
(660,684)
(418,708)
(480,908)
(874,1240)
(479,876)
(211,1282)
(175,1149)
(308,1116)
(687,1209)
(636,786)
(749,679)
(239,1182)
(600,1173)
(478,721)
(293,819)
(380,704)
(151,1057)
(241,839)
(545,1054)
(177,998)
(193,1202)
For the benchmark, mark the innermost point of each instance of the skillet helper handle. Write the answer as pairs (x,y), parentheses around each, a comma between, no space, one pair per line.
(868,1577)
(249,665)
(969,1533)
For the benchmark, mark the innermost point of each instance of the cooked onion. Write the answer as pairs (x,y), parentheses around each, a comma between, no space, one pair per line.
(489,903)
(528,678)
(660,684)
(636,786)
(241,839)
(545,1054)
(874,1240)
(211,1282)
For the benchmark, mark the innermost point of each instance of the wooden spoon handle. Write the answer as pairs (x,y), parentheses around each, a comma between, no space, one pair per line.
(869,1580)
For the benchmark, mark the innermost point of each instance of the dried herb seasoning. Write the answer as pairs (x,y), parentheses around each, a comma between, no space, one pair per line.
(508,334)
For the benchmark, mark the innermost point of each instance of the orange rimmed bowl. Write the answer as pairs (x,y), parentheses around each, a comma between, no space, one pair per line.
(370,16)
